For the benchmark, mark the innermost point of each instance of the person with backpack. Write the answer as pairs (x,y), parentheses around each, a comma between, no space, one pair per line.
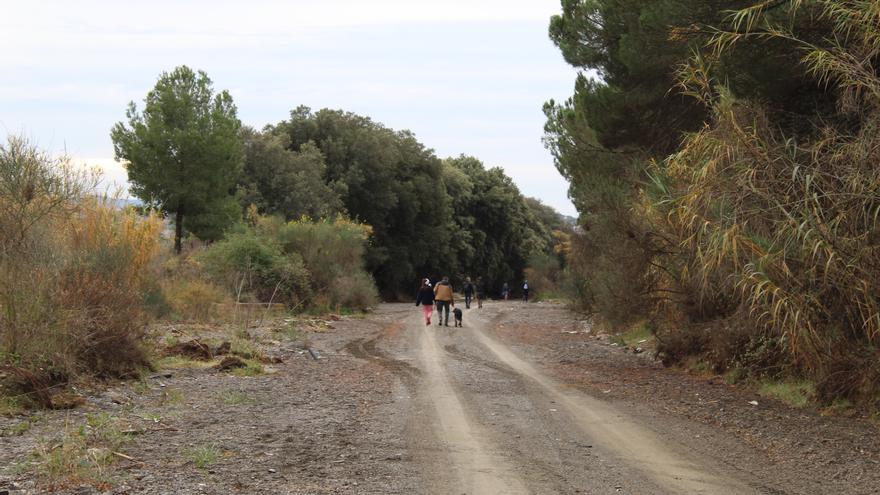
(425,297)
(468,290)
(443,297)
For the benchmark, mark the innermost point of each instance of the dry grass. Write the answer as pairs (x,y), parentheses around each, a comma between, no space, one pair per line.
(72,274)
(783,232)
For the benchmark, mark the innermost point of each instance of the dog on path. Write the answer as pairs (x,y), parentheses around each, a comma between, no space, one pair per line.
(457,313)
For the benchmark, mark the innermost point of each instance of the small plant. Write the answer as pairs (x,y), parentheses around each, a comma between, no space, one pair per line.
(245,349)
(794,393)
(253,368)
(735,375)
(288,330)
(10,406)
(152,416)
(84,452)
(18,429)
(182,362)
(194,300)
(236,398)
(171,396)
(203,456)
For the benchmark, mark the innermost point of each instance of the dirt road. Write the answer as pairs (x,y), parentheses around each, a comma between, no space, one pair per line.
(515,402)
(505,427)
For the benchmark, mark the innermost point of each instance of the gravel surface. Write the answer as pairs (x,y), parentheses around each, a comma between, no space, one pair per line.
(523,399)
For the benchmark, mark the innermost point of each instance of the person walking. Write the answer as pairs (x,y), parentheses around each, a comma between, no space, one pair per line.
(443,296)
(425,297)
(468,290)
(525,291)
(505,291)
(480,290)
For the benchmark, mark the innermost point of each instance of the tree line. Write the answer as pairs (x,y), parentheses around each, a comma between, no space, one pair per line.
(188,155)
(723,157)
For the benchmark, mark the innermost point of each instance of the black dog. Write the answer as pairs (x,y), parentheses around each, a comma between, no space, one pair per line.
(457,313)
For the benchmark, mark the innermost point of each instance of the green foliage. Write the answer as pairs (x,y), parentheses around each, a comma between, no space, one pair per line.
(495,229)
(793,393)
(279,181)
(427,217)
(725,173)
(247,262)
(183,152)
(84,453)
(203,456)
(387,180)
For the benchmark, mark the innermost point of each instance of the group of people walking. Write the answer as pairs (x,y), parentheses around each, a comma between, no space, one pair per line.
(443,297)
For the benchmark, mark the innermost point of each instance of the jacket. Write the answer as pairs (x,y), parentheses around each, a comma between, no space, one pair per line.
(443,292)
(425,296)
(468,289)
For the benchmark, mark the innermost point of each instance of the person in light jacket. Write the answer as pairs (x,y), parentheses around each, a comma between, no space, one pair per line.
(443,296)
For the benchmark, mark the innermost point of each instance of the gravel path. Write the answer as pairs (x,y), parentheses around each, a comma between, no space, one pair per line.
(520,400)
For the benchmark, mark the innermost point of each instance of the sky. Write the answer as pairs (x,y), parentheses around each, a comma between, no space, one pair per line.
(467,77)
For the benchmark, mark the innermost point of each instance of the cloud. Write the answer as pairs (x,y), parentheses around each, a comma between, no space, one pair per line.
(465,76)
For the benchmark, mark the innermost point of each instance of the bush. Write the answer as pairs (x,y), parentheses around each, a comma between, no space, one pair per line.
(248,262)
(194,300)
(356,291)
(333,252)
(329,248)
(73,273)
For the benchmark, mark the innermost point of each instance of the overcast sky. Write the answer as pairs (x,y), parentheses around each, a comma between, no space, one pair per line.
(465,76)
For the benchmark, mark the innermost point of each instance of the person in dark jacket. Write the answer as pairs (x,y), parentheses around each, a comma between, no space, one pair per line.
(468,290)
(425,297)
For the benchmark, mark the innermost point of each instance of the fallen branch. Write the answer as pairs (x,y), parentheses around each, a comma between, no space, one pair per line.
(129,458)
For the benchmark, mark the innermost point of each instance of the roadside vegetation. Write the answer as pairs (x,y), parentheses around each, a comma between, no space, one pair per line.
(723,157)
(317,214)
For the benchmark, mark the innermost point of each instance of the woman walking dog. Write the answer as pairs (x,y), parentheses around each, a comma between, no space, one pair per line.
(425,297)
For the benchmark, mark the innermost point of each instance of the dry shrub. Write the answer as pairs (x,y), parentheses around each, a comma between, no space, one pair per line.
(356,292)
(72,270)
(194,300)
(783,231)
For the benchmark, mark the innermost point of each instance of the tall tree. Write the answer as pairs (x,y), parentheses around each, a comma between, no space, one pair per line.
(183,152)
(491,214)
(387,179)
(283,182)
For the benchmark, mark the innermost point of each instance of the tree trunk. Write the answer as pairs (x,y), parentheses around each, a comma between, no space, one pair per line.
(178,230)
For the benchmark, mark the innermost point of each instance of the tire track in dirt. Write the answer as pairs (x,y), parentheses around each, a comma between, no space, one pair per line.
(478,466)
(631,443)
(367,349)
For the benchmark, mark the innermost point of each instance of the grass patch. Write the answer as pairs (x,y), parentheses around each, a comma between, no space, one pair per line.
(839,407)
(84,453)
(244,349)
(236,398)
(203,456)
(11,406)
(735,375)
(795,393)
(288,330)
(181,362)
(171,396)
(638,336)
(253,368)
